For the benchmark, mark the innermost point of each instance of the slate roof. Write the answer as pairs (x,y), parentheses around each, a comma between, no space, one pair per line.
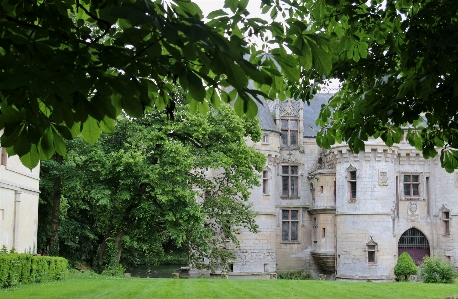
(266,120)
(312,112)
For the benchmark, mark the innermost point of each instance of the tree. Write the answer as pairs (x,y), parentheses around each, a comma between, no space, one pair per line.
(136,188)
(398,62)
(68,68)
(405,267)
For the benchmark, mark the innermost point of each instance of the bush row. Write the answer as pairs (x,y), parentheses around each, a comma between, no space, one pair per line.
(18,269)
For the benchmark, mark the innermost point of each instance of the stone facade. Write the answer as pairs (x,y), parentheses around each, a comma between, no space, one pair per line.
(19,190)
(343,214)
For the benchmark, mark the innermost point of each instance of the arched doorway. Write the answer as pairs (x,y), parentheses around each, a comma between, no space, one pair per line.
(415,243)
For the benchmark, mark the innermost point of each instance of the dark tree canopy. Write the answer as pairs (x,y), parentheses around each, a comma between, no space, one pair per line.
(398,62)
(68,68)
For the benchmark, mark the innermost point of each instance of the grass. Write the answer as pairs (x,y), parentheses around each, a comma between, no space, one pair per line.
(89,285)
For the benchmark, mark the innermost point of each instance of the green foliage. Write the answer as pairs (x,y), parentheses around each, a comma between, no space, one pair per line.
(116,271)
(437,270)
(397,65)
(295,275)
(405,267)
(4,250)
(141,187)
(129,56)
(16,269)
(174,258)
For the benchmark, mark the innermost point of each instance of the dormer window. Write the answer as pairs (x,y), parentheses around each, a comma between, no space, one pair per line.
(289,133)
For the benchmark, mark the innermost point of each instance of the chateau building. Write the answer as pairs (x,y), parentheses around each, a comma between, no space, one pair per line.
(343,214)
(19,190)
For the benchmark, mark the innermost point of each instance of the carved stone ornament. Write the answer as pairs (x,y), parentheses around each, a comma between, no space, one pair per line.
(289,108)
(413,207)
(383,178)
(351,168)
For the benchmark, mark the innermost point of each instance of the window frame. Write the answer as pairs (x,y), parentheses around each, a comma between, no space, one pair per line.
(352,185)
(290,192)
(289,221)
(265,182)
(446,221)
(411,185)
(371,252)
(287,131)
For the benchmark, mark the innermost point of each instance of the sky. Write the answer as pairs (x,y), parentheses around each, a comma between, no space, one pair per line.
(208,6)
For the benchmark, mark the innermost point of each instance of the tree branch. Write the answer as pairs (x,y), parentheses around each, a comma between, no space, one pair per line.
(107,29)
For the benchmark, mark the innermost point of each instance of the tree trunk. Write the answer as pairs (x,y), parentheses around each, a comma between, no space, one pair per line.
(118,244)
(102,248)
(55,217)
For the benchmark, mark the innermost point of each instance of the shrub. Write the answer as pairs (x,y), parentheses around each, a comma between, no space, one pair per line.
(16,269)
(405,267)
(436,270)
(295,275)
(118,271)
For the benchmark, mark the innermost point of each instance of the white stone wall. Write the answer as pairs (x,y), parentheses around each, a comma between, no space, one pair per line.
(19,190)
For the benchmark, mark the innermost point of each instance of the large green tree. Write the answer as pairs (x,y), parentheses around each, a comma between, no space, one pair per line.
(144,185)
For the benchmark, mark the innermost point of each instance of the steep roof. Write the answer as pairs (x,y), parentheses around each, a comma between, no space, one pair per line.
(311,113)
(266,120)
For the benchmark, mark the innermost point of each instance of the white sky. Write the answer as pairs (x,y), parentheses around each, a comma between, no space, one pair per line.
(208,6)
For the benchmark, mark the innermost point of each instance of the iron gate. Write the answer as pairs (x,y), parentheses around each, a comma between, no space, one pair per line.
(415,243)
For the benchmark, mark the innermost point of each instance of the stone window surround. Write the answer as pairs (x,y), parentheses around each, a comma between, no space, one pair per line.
(289,175)
(302,218)
(288,132)
(352,183)
(371,249)
(266,178)
(445,216)
(422,185)
(290,222)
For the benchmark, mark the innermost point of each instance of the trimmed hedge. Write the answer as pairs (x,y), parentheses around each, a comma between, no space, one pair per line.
(16,269)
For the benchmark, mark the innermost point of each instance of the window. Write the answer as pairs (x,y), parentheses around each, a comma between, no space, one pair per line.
(446,221)
(371,254)
(371,249)
(289,133)
(265,139)
(289,181)
(352,184)
(265,182)
(324,232)
(290,225)
(412,185)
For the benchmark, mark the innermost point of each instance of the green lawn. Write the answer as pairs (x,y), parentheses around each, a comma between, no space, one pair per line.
(96,286)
